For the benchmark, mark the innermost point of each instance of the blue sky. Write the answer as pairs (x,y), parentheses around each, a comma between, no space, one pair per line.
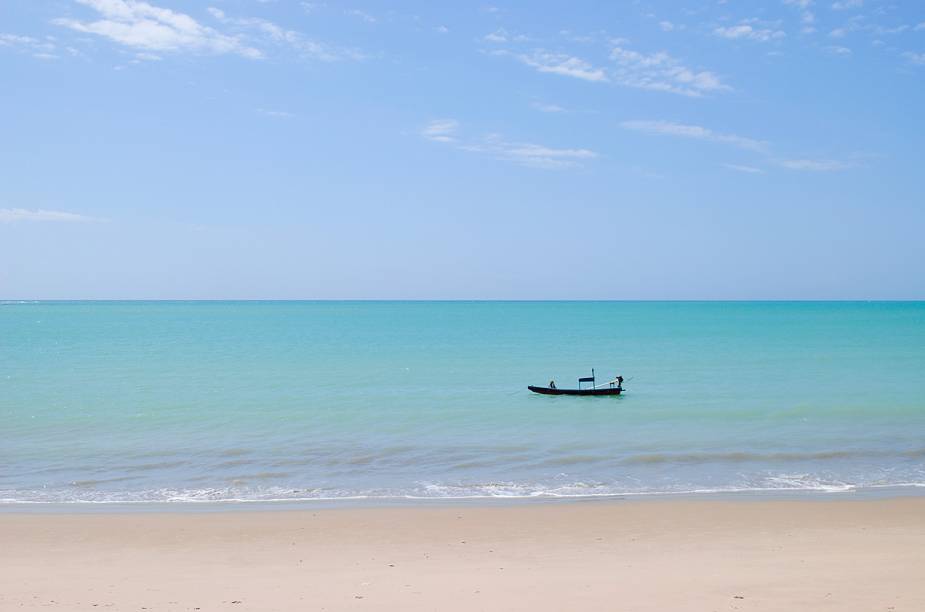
(526,150)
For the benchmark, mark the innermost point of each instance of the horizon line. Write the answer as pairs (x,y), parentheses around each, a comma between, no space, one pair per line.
(13,301)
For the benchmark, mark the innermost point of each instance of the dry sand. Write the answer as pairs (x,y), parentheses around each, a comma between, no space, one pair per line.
(618,555)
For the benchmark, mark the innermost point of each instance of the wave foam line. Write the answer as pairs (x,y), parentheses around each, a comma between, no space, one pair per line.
(553,494)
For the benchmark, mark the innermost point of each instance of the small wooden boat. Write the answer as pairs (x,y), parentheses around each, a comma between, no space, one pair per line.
(553,391)
(614,387)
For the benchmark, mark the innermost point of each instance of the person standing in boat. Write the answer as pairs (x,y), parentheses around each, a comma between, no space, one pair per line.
(552,384)
(619,380)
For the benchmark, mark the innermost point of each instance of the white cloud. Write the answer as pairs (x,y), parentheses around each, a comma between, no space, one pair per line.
(667,26)
(697,132)
(15,40)
(748,32)
(662,72)
(501,35)
(534,155)
(920,26)
(744,169)
(880,30)
(560,63)
(856,24)
(838,50)
(668,128)
(143,26)
(361,15)
(42,49)
(12,215)
(657,71)
(521,153)
(844,5)
(498,36)
(277,35)
(578,38)
(275,113)
(815,165)
(441,130)
(806,16)
(442,29)
(915,58)
(547,108)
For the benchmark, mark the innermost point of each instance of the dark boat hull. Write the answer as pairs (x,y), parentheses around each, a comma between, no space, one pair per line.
(549,391)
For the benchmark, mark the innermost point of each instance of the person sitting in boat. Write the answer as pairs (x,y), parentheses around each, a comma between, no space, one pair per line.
(552,384)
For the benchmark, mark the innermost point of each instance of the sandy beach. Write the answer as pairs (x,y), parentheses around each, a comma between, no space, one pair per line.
(617,555)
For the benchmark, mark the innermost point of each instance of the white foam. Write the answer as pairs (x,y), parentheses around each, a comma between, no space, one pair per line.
(777,483)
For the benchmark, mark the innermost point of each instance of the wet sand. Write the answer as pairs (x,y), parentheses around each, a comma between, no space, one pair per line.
(675,555)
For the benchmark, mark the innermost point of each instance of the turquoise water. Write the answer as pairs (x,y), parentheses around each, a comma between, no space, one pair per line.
(206,401)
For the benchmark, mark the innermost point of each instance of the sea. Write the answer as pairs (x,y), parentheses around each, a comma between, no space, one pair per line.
(234,402)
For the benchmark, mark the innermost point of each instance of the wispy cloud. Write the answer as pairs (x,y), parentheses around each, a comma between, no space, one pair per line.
(533,155)
(544,107)
(815,165)
(881,30)
(838,50)
(501,36)
(41,49)
(272,33)
(583,39)
(562,64)
(13,215)
(844,5)
(801,4)
(521,153)
(441,130)
(916,58)
(680,130)
(662,72)
(746,31)
(697,132)
(860,24)
(13,40)
(807,17)
(278,114)
(744,169)
(656,71)
(498,36)
(140,25)
(363,15)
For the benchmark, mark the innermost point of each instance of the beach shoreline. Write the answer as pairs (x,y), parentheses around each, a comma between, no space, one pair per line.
(634,554)
(373,502)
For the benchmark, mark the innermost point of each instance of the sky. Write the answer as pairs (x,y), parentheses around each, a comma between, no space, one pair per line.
(261,149)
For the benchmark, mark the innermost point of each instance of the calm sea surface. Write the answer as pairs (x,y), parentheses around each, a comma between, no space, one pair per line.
(205,401)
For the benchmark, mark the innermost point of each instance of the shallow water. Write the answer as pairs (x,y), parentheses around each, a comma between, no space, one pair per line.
(206,401)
